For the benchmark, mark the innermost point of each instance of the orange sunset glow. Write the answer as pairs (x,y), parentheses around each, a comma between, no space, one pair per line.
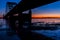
(1,16)
(46,15)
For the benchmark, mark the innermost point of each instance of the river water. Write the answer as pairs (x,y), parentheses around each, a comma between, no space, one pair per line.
(46,20)
(55,34)
(4,32)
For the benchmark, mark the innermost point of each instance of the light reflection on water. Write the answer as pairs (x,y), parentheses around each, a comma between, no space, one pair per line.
(3,31)
(55,34)
(45,20)
(50,33)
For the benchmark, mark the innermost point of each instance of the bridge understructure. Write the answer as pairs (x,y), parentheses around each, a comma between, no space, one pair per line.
(21,22)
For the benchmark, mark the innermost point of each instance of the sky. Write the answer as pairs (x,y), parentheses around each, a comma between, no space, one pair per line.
(3,5)
(50,10)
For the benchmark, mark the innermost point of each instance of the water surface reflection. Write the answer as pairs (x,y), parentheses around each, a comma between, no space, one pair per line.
(4,29)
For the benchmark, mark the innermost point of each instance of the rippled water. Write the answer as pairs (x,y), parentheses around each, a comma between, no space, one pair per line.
(3,32)
(55,34)
(45,20)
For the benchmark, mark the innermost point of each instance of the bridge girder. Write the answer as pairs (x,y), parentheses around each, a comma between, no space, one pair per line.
(28,4)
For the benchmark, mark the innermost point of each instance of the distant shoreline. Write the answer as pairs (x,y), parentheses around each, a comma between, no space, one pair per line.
(45,17)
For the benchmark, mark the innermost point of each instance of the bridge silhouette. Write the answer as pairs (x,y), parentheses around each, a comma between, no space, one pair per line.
(16,22)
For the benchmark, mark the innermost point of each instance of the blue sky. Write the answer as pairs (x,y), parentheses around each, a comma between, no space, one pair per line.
(3,5)
(53,7)
(50,8)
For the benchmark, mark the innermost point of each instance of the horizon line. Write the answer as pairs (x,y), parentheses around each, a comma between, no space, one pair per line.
(46,17)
